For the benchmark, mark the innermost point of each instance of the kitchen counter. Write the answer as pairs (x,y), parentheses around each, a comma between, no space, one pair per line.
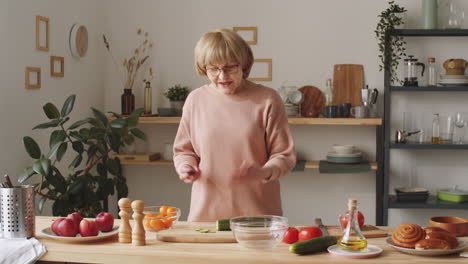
(110,251)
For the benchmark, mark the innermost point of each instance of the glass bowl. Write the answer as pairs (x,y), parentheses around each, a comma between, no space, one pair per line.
(159,218)
(259,232)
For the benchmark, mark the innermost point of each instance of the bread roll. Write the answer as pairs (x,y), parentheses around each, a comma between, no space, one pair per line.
(446,236)
(406,235)
(432,243)
(431,229)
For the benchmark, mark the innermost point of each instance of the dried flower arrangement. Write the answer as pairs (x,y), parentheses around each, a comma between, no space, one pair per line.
(133,64)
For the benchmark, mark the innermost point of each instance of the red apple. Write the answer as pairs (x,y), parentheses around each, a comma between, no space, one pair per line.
(88,228)
(76,217)
(53,227)
(67,228)
(104,221)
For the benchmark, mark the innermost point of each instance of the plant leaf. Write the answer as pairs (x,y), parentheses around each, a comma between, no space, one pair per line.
(37,167)
(61,150)
(79,123)
(51,111)
(53,150)
(76,186)
(41,203)
(45,163)
(53,123)
(68,105)
(32,148)
(132,119)
(118,123)
(56,137)
(76,162)
(27,173)
(100,116)
(138,133)
(113,166)
(78,146)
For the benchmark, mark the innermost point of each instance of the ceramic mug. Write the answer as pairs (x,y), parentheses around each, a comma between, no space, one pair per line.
(345,110)
(331,111)
(359,111)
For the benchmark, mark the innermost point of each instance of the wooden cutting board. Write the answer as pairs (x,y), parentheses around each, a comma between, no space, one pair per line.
(185,233)
(348,80)
(369,231)
(313,103)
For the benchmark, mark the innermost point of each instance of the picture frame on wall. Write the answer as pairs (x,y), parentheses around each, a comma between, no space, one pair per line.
(249,34)
(42,33)
(57,66)
(262,70)
(32,77)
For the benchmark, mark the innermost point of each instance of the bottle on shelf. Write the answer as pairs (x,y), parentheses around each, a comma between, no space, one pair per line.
(432,73)
(352,238)
(436,139)
(329,93)
(148,99)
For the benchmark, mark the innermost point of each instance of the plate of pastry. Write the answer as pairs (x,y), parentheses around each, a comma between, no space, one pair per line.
(428,252)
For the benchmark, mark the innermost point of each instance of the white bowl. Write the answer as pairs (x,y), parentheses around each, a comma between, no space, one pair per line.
(343,149)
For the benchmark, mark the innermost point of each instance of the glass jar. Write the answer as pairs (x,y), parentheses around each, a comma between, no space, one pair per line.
(127,102)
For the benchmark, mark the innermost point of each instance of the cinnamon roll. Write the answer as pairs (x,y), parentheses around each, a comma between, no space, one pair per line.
(407,235)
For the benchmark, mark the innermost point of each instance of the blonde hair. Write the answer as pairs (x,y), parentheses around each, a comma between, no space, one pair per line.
(222,46)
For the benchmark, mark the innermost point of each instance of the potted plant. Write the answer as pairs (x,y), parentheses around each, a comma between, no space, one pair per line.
(391,47)
(93,174)
(177,95)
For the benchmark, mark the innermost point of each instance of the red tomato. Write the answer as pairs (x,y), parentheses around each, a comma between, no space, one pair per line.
(291,236)
(344,220)
(309,233)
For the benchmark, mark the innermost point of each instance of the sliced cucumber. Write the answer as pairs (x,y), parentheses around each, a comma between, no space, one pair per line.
(312,245)
(223,225)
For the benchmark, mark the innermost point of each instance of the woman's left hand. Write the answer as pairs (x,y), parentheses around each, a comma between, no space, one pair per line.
(264,173)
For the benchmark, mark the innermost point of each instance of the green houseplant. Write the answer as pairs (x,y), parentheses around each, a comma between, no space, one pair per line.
(93,174)
(390,19)
(177,95)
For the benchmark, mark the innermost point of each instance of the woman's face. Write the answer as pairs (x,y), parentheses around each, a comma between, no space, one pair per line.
(227,78)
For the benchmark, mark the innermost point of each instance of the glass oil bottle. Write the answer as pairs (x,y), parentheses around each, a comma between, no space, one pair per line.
(148,99)
(436,139)
(352,238)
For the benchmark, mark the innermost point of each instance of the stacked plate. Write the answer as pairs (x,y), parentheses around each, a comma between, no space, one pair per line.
(292,109)
(347,158)
(411,194)
(457,80)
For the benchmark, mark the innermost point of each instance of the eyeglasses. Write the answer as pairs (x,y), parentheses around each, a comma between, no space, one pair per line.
(230,69)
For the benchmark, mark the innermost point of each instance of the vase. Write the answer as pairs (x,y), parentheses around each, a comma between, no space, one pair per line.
(128,102)
(177,106)
(429,14)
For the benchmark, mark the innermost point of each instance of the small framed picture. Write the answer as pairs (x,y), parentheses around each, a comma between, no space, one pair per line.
(262,70)
(42,33)
(32,77)
(249,34)
(57,66)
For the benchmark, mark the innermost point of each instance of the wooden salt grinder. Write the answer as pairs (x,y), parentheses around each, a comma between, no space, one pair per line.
(138,232)
(125,230)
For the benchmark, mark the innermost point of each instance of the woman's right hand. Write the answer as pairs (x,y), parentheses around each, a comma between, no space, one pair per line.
(188,173)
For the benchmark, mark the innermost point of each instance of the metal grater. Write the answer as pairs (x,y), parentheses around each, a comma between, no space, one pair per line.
(17,216)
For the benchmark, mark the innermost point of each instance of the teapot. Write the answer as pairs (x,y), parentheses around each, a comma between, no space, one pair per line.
(411,78)
(455,66)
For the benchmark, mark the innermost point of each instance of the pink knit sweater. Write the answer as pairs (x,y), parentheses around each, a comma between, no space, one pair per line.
(219,133)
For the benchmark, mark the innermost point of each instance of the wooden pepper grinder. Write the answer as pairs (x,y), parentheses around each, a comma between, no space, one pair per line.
(138,232)
(125,230)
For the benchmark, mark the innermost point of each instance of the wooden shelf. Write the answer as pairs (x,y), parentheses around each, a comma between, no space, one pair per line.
(428,146)
(310,164)
(291,120)
(429,89)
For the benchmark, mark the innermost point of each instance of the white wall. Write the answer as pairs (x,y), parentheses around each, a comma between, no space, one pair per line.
(21,108)
(304,38)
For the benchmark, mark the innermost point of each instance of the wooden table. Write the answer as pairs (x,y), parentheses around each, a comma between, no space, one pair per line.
(110,251)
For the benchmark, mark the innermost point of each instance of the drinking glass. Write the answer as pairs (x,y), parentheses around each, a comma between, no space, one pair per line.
(460,122)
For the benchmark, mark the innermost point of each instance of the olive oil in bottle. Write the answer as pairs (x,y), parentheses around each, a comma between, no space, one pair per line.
(436,139)
(352,238)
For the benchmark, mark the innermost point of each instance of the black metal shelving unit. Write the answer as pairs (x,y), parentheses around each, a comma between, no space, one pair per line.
(389,201)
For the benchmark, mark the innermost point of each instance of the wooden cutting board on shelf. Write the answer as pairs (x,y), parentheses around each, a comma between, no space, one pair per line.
(185,233)
(348,80)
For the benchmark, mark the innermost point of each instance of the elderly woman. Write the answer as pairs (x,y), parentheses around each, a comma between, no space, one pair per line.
(233,141)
